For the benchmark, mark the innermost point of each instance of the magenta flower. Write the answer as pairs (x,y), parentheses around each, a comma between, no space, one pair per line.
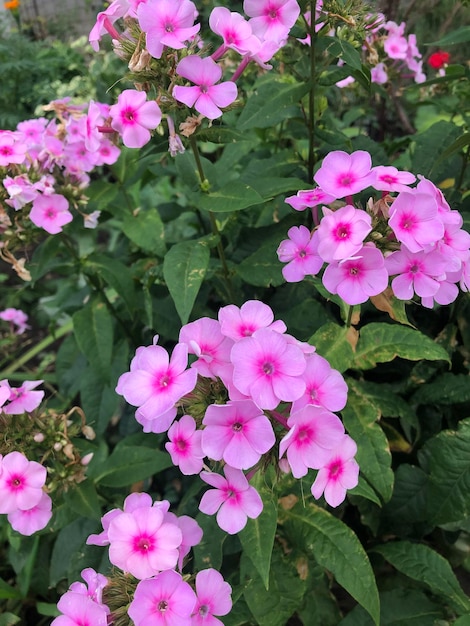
(343,174)
(340,473)
(213,598)
(300,252)
(36,518)
(105,20)
(418,272)
(325,386)
(50,212)
(313,434)
(184,446)
(156,382)
(233,499)
(17,318)
(21,483)
(237,432)
(268,368)
(166,600)
(167,23)
(272,19)
(79,611)
(358,278)
(234,30)
(192,535)
(95,583)
(238,323)
(12,150)
(309,198)
(204,339)
(206,97)
(142,543)
(390,179)
(21,191)
(342,232)
(415,220)
(24,399)
(133,117)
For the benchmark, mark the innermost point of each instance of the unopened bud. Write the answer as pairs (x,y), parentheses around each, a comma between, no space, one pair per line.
(87,458)
(57,446)
(88,432)
(38,437)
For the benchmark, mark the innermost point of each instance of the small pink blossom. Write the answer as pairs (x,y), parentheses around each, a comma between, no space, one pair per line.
(24,399)
(213,598)
(95,583)
(34,519)
(21,191)
(204,338)
(184,446)
(78,610)
(21,483)
(343,174)
(342,232)
(51,213)
(235,31)
(233,499)
(206,97)
(309,198)
(338,475)
(325,387)
(415,220)
(418,272)
(388,178)
(238,323)
(272,20)
(300,252)
(17,318)
(133,117)
(378,74)
(12,149)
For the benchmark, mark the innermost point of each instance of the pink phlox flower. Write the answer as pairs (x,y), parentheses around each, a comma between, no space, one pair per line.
(378,74)
(76,129)
(107,153)
(175,145)
(318,25)
(233,499)
(237,432)
(313,434)
(105,20)
(102,539)
(34,519)
(325,387)
(133,117)
(191,531)
(21,191)
(396,47)
(214,597)
(95,120)
(268,368)
(338,475)
(234,30)
(342,232)
(78,610)
(357,278)
(5,391)
(50,213)
(418,272)
(455,243)
(447,293)
(238,323)
(45,185)
(205,339)
(16,317)
(343,174)
(21,483)
(167,23)
(272,19)
(184,446)
(32,130)
(415,220)
(166,600)
(156,424)
(91,219)
(51,153)
(300,252)
(93,589)
(206,97)
(23,399)
(428,187)
(12,148)
(156,383)
(309,198)
(142,544)
(78,159)
(388,178)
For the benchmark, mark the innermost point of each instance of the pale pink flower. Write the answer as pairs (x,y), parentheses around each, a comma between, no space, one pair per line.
(357,278)
(238,323)
(447,293)
(233,499)
(17,318)
(396,47)
(300,252)
(78,610)
(268,368)
(415,220)
(91,220)
(12,149)
(206,97)
(95,583)
(342,232)
(184,446)
(105,20)
(36,518)
(388,178)
(133,117)
(309,198)
(378,74)
(204,338)
(20,189)
(237,432)
(51,213)
(325,386)
(24,399)
(166,600)
(343,174)
(272,19)
(338,475)
(213,598)
(313,434)
(192,535)
(21,483)
(234,30)
(418,272)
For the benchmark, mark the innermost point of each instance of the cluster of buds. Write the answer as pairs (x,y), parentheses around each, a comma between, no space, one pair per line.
(413,237)
(250,386)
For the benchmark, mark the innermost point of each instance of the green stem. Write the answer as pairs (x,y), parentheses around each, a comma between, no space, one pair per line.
(311,96)
(350,312)
(39,347)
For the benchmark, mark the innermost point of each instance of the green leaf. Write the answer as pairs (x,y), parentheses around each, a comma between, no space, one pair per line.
(331,342)
(364,490)
(45,608)
(93,330)
(257,538)
(115,274)
(208,552)
(262,268)
(442,134)
(83,500)
(460,143)
(8,619)
(387,401)
(444,389)
(448,457)
(98,400)
(342,50)
(184,268)
(220,134)
(422,564)
(69,544)
(146,230)
(373,454)
(234,196)
(8,592)
(461,35)
(337,548)
(407,506)
(380,343)
(130,464)
(272,102)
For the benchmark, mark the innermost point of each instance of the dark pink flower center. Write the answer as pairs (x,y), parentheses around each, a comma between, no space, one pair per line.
(354,271)
(162,381)
(346,180)
(143,544)
(237,427)
(335,469)
(181,444)
(203,610)
(169,27)
(343,231)
(272,14)
(407,222)
(268,368)
(15,482)
(128,115)
(389,179)
(415,268)
(50,213)
(302,254)
(162,606)
(6,150)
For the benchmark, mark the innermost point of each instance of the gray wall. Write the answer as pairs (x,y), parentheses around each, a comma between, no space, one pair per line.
(62,18)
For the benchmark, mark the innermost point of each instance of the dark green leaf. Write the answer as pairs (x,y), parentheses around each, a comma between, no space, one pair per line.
(262,268)
(234,196)
(208,552)
(115,274)
(145,229)
(442,134)
(93,330)
(445,389)
(461,35)
(130,464)
(332,343)
(83,500)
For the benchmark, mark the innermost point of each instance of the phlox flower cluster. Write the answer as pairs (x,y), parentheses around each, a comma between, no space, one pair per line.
(248,388)
(409,236)
(150,543)
(45,165)
(161,39)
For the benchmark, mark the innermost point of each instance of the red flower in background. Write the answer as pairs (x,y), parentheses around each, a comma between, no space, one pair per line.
(438,59)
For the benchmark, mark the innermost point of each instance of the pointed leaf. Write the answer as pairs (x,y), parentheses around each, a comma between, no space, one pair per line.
(234,196)
(331,342)
(93,330)
(130,464)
